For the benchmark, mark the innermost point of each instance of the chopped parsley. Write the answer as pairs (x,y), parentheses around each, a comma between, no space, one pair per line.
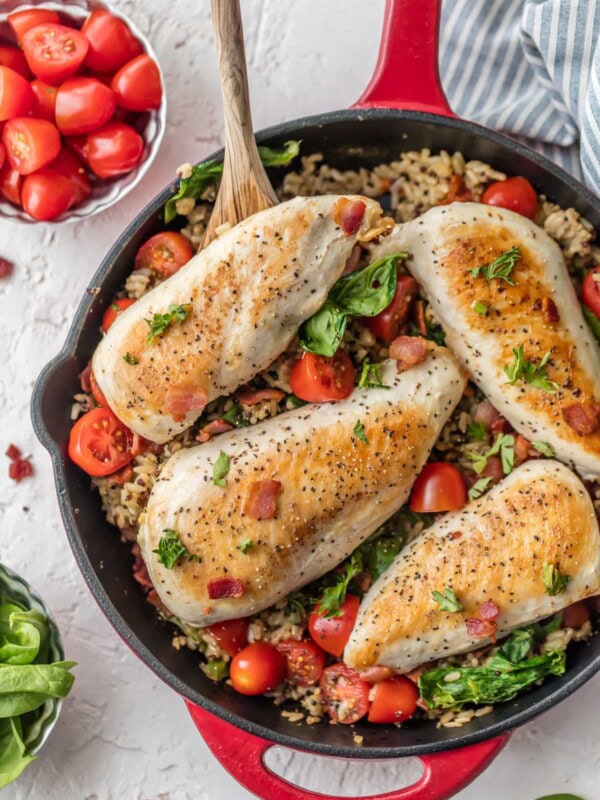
(234,416)
(534,375)
(370,376)
(334,596)
(220,469)
(476,431)
(115,307)
(129,359)
(246,545)
(479,308)
(359,432)
(554,581)
(478,488)
(544,448)
(500,268)
(160,322)
(295,401)
(170,549)
(503,446)
(447,601)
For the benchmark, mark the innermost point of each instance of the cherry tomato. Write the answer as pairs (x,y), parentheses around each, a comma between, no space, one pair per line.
(516,194)
(99,443)
(590,291)
(30,143)
(45,100)
(82,105)
(257,669)
(394,700)
(164,253)
(137,84)
(332,633)
(114,149)
(114,309)
(99,397)
(576,615)
(439,487)
(79,146)
(2,155)
(47,194)
(231,636)
(22,21)
(344,694)
(390,322)
(16,95)
(67,164)
(54,52)
(11,56)
(10,184)
(318,379)
(305,661)
(111,43)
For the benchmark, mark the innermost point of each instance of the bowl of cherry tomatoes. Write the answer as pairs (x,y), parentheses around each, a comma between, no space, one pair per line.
(82,109)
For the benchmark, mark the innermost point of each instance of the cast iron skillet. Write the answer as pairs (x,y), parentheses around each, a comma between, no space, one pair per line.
(374,131)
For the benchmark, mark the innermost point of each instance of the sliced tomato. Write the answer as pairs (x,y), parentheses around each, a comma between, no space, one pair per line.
(82,105)
(11,56)
(576,615)
(389,324)
(16,95)
(22,21)
(67,164)
(318,379)
(10,184)
(99,443)
(99,397)
(439,487)
(231,636)
(114,149)
(590,291)
(164,253)
(45,99)
(46,194)
(257,669)
(393,700)
(114,309)
(332,633)
(30,143)
(344,694)
(305,661)
(516,194)
(137,84)
(111,43)
(54,52)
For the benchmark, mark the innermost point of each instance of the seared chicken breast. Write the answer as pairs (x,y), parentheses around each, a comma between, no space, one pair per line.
(555,394)
(302,491)
(492,552)
(228,313)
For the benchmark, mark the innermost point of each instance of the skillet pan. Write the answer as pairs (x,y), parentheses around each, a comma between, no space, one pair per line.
(403,108)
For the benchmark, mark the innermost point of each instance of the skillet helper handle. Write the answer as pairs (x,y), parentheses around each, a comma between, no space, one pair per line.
(242,755)
(406,75)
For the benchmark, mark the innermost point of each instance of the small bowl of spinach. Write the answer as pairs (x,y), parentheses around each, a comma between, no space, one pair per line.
(34,678)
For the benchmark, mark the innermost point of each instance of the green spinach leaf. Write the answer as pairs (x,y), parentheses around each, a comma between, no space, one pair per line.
(24,687)
(13,758)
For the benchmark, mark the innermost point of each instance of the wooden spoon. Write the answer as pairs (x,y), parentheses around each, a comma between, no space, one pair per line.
(245,187)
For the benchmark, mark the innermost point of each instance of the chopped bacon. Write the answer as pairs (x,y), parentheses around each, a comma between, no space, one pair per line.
(84,379)
(488,610)
(522,448)
(493,469)
(250,397)
(129,533)
(354,260)
(6,268)
(485,413)
(408,351)
(139,445)
(212,429)
(550,310)
(140,573)
(154,600)
(122,476)
(584,418)
(481,628)
(419,315)
(13,452)
(261,502)
(348,214)
(375,674)
(19,469)
(501,425)
(225,587)
(457,191)
(179,401)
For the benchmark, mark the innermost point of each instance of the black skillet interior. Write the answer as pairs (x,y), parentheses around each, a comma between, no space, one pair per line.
(347,139)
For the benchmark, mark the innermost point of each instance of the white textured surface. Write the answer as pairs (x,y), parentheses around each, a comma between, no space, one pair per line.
(123,735)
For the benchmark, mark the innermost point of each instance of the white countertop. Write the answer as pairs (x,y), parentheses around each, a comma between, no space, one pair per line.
(123,735)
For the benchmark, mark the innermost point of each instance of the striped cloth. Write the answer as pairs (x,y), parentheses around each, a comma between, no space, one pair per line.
(529,68)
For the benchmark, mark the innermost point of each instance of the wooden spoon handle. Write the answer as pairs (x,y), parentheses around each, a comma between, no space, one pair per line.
(245,187)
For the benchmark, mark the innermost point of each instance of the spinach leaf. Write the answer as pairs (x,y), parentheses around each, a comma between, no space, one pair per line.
(25,687)
(22,634)
(322,333)
(560,796)
(13,759)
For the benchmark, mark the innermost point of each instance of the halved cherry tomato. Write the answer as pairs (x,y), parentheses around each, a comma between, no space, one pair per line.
(99,443)
(590,291)
(46,194)
(22,21)
(516,194)
(305,661)
(164,253)
(10,184)
(576,615)
(393,700)
(137,84)
(11,56)
(389,324)
(82,105)
(257,669)
(99,397)
(45,97)
(111,43)
(332,633)
(16,95)
(30,143)
(231,636)
(54,52)
(67,164)
(114,149)
(318,379)
(114,309)
(345,695)
(439,487)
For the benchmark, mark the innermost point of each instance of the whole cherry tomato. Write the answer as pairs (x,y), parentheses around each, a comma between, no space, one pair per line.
(45,97)
(82,105)
(516,194)
(318,379)
(16,95)
(99,443)
(393,700)
(111,43)
(11,56)
(137,84)
(30,143)
(439,487)
(47,194)
(114,149)
(67,164)
(54,52)
(164,253)
(22,21)
(257,669)
(99,396)
(10,184)
(114,309)
(332,633)
(590,291)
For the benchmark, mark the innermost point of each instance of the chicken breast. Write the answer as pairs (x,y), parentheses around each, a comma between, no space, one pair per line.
(238,302)
(331,489)
(540,312)
(493,550)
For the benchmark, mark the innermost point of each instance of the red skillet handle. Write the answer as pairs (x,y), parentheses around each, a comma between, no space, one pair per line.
(242,755)
(406,75)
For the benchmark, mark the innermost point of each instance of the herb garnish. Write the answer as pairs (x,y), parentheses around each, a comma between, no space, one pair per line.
(544,448)
(359,432)
(554,581)
(476,431)
(334,596)
(447,601)
(246,545)
(534,375)
(170,549)
(479,488)
(234,416)
(500,268)
(370,376)
(479,308)
(129,359)
(160,322)
(115,307)
(220,469)
(504,446)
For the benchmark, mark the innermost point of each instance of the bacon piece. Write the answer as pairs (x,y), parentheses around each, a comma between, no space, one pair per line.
(522,448)
(140,573)
(489,610)
(139,445)
(180,401)
(550,310)
(354,260)
(250,397)
(375,674)
(225,587)
(501,425)
(13,452)
(584,418)
(261,501)
(408,351)
(419,313)
(6,268)
(485,413)
(481,628)
(348,214)
(84,379)
(457,192)
(122,476)
(212,429)
(493,469)
(19,469)
(154,600)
